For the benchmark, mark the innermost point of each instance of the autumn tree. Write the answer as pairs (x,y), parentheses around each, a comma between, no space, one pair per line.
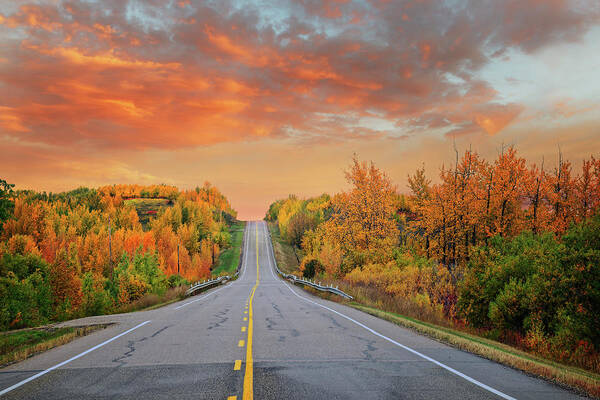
(562,195)
(362,222)
(6,201)
(419,184)
(65,282)
(587,189)
(536,194)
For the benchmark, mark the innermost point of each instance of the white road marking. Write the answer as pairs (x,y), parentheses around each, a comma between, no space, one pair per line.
(269,245)
(245,258)
(16,385)
(200,298)
(439,364)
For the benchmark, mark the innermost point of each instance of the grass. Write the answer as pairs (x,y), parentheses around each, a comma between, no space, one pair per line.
(230,257)
(153,301)
(286,257)
(147,208)
(19,345)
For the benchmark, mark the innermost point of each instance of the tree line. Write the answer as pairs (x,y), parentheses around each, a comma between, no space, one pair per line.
(85,252)
(503,248)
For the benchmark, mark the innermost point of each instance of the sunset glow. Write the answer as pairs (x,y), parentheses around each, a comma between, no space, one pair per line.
(267,98)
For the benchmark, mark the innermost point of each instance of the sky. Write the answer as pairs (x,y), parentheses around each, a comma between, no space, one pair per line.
(270,97)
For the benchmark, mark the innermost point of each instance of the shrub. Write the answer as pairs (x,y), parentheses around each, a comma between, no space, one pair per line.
(176,281)
(311,268)
(136,276)
(96,300)
(24,290)
(544,290)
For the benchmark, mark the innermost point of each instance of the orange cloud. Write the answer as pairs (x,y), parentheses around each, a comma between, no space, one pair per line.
(33,16)
(107,59)
(73,75)
(497,118)
(10,121)
(225,44)
(569,108)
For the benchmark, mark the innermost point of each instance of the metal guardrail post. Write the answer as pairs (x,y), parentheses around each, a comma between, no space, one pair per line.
(197,286)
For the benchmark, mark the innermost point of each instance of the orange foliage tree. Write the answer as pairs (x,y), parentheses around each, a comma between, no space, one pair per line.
(476,200)
(84,234)
(362,227)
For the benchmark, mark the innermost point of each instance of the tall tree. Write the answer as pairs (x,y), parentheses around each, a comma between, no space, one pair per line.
(363,221)
(6,201)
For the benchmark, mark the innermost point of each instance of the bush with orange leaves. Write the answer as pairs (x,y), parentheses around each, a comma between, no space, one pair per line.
(413,278)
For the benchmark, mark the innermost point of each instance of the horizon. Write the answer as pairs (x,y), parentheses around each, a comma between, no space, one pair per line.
(265,99)
(342,185)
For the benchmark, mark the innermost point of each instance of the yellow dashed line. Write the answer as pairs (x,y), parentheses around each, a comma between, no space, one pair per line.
(243,329)
(245,319)
(232,398)
(241,343)
(237,365)
(249,375)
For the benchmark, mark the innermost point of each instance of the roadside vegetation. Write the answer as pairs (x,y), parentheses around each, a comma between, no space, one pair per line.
(19,345)
(498,250)
(230,257)
(85,252)
(286,254)
(147,208)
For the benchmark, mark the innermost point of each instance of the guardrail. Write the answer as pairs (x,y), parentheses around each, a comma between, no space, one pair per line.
(301,281)
(205,284)
(318,286)
(198,286)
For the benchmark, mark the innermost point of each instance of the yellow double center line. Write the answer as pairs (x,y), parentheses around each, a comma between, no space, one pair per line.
(249,375)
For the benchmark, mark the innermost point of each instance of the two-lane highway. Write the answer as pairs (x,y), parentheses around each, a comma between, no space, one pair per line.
(259,337)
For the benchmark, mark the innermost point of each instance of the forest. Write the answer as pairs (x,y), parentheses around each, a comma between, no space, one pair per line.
(85,252)
(505,249)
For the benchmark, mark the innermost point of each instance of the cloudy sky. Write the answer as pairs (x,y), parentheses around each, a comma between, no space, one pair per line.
(269,97)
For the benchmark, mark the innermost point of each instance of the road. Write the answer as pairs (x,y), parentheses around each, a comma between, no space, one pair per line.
(258,337)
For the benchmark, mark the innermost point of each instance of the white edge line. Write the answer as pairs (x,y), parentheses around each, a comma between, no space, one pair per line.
(269,246)
(439,364)
(245,257)
(16,385)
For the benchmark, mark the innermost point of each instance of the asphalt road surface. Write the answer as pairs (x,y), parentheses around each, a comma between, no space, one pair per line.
(258,337)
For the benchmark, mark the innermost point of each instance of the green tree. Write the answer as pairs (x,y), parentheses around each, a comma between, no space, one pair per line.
(581,269)
(6,200)
(96,300)
(25,291)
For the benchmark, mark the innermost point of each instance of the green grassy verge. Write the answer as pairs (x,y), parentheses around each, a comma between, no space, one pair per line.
(19,345)
(147,208)
(286,258)
(152,301)
(572,377)
(229,258)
